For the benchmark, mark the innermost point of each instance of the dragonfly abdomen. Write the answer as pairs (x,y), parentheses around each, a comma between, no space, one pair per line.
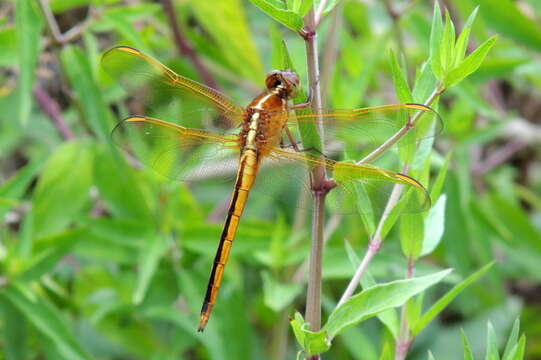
(245,179)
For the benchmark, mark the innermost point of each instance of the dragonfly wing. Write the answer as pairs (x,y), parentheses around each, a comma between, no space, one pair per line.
(136,71)
(361,131)
(175,151)
(361,188)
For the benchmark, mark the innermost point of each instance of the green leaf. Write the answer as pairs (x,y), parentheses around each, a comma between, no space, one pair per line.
(46,319)
(277,295)
(59,6)
(447,50)
(15,344)
(470,64)
(447,298)
(509,21)
(226,22)
(77,67)
(8,44)
(288,18)
(119,188)
(520,347)
(468,355)
(376,299)
(63,187)
(389,317)
(436,34)
(402,89)
(311,342)
(434,226)
(411,234)
(492,344)
(28,24)
(150,257)
(276,46)
(512,340)
(462,42)
(425,84)
(386,352)
(48,252)
(435,191)
(12,189)
(306,5)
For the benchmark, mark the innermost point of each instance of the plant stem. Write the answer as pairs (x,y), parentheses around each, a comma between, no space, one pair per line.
(403,342)
(52,109)
(319,13)
(318,180)
(52,25)
(313,296)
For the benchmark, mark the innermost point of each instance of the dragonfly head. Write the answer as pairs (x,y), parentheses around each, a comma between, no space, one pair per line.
(282,82)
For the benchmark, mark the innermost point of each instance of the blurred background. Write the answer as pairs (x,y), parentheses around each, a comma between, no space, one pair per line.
(102,258)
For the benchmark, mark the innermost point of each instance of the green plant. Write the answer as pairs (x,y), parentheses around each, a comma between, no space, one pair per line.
(101,259)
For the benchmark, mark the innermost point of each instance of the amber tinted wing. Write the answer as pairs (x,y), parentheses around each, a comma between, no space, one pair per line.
(362,189)
(175,151)
(361,131)
(157,88)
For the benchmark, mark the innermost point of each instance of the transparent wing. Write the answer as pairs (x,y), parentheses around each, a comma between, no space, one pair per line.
(175,151)
(362,189)
(361,131)
(157,89)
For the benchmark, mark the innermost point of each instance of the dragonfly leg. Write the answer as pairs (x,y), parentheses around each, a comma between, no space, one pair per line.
(292,140)
(303,105)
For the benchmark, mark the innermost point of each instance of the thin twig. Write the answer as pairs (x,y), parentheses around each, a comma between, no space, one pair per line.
(499,156)
(319,13)
(373,245)
(52,25)
(51,21)
(376,240)
(53,112)
(184,47)
(400,133)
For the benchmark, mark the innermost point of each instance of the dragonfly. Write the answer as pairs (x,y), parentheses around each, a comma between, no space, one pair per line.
(267,129)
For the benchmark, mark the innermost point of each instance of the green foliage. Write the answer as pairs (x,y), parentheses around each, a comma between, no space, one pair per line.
(102,258)
(368,303)
(29,25)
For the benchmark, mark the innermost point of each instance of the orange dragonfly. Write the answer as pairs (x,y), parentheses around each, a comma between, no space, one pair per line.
(262,126)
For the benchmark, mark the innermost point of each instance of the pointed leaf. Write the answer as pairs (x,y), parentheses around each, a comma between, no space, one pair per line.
(470,64)
(402,89)
(436,34)
(492,344)
(28,23)
(434,226)
(447,50)
(288,18)
(376,299)
(512,340)
(462,42)
(311,342)
(46,319)
(468,355)
(447,298)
